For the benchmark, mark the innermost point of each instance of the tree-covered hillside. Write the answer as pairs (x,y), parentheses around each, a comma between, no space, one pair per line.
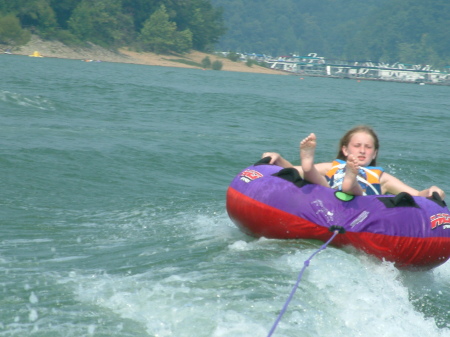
(410,31)
(151,25)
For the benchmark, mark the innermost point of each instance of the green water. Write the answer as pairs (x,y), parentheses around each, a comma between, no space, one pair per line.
(113,218)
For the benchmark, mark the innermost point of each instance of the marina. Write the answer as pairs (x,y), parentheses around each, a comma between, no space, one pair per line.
(313,65)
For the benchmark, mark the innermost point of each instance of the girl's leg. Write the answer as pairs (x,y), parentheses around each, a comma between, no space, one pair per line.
(350,184)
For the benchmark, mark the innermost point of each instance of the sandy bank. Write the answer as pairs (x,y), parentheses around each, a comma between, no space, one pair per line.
(59,50)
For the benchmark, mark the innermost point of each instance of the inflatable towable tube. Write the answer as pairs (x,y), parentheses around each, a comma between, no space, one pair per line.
(268,201)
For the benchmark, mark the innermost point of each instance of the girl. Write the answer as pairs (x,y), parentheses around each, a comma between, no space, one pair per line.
(354,170)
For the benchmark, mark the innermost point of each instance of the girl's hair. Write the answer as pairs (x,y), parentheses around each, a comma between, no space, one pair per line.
(345,140)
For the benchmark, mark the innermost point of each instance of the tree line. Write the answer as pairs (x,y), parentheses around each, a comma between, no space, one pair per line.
(408,31)
(159,26)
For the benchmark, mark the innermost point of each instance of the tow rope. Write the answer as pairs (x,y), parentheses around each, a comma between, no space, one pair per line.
(336,230)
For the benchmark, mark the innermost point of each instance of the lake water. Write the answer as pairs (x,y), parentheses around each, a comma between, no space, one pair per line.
(113,182)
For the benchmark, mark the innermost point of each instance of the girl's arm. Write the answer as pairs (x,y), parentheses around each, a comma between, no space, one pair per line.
(393,185)
(277,159)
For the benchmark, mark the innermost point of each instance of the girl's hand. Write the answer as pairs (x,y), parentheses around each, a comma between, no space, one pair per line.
(436,189)
(274,157)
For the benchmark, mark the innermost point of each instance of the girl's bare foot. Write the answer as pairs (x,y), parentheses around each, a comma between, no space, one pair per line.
(307,150)
(350,184)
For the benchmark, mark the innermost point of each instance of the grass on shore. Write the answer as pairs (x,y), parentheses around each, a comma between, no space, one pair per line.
(184,61)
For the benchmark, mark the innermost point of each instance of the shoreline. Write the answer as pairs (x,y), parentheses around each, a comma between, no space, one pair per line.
(56,49)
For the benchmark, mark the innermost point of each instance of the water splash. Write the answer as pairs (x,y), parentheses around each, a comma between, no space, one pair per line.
(36,102)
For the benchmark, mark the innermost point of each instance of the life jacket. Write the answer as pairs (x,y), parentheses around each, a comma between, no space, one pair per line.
(368,177)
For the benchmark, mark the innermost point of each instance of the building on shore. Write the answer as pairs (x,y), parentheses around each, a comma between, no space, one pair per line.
(314,65)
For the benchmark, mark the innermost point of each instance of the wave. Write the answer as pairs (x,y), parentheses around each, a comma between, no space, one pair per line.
(17,99)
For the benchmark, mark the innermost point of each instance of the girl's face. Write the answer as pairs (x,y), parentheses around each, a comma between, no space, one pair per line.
(362,147)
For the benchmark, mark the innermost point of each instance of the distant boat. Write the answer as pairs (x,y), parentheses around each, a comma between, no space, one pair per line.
(36,54)
(8,51)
